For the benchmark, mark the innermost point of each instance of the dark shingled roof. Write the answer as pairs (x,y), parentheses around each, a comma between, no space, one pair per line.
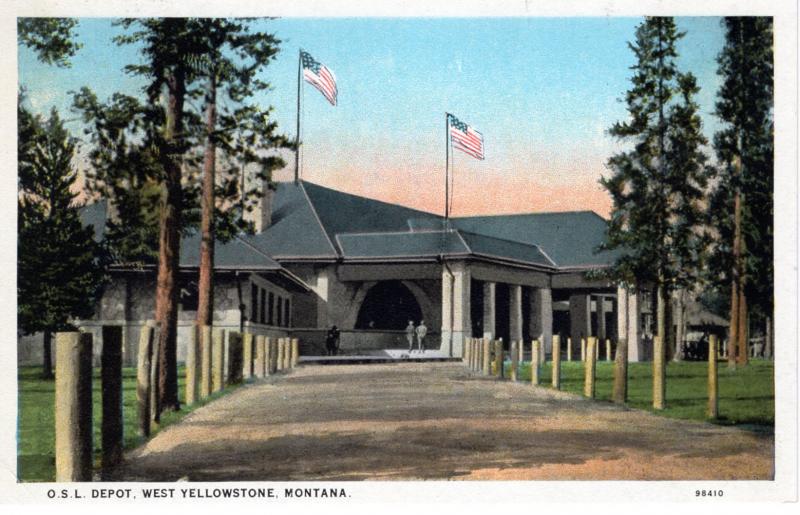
(569,239)
(312,221)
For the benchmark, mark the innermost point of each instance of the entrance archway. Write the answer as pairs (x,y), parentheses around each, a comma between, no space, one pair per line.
(388,305)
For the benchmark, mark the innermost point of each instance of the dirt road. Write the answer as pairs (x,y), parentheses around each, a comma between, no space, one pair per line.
(434,421)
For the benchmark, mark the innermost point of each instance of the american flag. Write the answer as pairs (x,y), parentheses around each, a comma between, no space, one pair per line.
(465,138)
(319,76)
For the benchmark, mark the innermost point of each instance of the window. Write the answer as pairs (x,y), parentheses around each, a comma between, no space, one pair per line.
(271,310)
(254,302)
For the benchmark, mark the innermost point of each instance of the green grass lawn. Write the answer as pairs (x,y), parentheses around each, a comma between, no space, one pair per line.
(36,422)
(746,395)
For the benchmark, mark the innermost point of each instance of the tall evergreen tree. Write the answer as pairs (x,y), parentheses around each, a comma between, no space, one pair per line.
(656,186)
(59,266)
(741,207)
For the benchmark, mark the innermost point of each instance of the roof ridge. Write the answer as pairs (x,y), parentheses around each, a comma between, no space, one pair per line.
(392,204)
(302,187)
(537,213)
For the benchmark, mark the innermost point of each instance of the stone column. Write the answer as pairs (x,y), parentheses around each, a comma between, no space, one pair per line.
(601,317)
(217,359)
(73,407)
(489,309)
(192,364)
(456,322)
(515,312)
(635,350)
(542,318)
(580,316)
(111,387)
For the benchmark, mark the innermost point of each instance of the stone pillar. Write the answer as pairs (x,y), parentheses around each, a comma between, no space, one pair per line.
(295,352)
(601,317)
(556,371)
(635,350)
(73,407)
(622,313)
(456,322)
(580,316)
(515,312)
(247,355)
(111,388)
(261,355)
(217,358)
(489,309)
(143,365)
(205,361)
(192,364)
(542,318)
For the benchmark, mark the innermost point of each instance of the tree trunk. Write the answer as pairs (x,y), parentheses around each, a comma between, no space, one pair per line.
(680,312)
(735,325)
(47,360)
(768,339)
(743,332)
(205,303)
(169,249)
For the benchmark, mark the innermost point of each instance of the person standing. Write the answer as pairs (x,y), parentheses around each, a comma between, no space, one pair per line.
(422,330)
(332,341)
(410,330)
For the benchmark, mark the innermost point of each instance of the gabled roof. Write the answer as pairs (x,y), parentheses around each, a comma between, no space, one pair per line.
(569,239)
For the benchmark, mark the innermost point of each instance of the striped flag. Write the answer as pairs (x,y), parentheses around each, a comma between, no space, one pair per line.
(319,76)
(465,138)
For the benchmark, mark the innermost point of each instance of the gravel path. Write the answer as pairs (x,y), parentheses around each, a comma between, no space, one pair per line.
(434,421)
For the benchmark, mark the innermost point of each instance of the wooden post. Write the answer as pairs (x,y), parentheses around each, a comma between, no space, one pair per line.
(155,403)
(111,388)
(295,352)
(521,352)
(498,358)
(143,386)
(261,355)
(486,365)
(535,355)
(556,371)
(247,356)
(271,345)
(217,359)
(280,354)
(474,354)
(713,394)
(569,348)
(205,361)
(73,406)
(235,358)
(514,361)
(287,354)
(466,357)
(608,349)
(620,391)
(583,349)
(659,373)
(589,367)
(192,364)
(478,354)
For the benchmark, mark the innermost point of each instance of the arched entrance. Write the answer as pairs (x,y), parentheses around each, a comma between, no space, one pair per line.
(388,305)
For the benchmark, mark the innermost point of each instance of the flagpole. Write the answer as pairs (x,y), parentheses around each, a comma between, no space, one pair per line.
(297,150)
(446,168)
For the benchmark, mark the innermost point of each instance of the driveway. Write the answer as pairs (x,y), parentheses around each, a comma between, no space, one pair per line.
(434,421)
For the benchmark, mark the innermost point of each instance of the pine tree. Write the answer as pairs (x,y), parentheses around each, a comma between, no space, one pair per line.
(656,186)
(59,264)
(741,208)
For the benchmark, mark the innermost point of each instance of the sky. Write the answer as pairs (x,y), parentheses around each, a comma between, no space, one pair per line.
(543,91)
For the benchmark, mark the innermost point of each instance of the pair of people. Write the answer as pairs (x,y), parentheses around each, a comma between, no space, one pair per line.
(420,331)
